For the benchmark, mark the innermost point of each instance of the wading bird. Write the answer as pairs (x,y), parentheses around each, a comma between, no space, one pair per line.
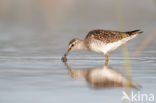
(101,41)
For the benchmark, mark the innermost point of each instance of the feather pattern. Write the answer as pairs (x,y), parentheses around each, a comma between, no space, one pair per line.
(104,41)
(109,36)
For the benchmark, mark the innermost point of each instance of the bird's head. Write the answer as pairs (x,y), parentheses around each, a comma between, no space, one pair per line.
(74,44)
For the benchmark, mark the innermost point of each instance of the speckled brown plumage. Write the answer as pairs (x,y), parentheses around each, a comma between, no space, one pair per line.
(109,36)
(101,41)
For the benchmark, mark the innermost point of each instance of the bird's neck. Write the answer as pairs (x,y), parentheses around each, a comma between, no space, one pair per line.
(82,45)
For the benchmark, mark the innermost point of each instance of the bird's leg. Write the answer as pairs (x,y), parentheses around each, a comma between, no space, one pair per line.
(106,56)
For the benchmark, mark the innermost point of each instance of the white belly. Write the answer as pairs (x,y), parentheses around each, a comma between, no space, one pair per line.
(100,47)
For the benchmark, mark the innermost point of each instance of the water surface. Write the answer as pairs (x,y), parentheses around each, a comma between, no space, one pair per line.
(31,48)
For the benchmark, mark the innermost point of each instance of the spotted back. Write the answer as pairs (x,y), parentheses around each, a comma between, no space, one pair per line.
(109,36)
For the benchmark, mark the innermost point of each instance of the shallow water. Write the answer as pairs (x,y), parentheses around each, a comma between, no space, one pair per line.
(47,80)
(31,70)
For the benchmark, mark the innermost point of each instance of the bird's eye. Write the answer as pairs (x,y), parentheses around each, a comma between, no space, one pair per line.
(72,45)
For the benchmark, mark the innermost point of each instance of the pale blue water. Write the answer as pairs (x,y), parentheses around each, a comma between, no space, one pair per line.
(30,51)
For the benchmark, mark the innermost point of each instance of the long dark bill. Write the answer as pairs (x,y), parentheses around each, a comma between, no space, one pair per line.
(67,52)
(64,59)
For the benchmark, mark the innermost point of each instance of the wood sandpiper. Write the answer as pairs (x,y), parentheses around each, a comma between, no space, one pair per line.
(101,41)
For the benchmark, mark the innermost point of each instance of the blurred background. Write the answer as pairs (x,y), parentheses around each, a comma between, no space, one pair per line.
(36,27)
(34,35)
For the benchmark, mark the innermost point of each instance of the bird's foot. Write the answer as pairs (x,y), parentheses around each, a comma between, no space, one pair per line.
(106,63)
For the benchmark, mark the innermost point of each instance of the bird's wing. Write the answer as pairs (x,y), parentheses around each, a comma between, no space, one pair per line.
(109,36)
(106,36)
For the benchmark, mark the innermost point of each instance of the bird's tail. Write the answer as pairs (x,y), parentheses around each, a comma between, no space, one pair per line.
(134,32)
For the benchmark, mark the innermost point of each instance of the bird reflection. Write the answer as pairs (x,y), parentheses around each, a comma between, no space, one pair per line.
(102,77)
